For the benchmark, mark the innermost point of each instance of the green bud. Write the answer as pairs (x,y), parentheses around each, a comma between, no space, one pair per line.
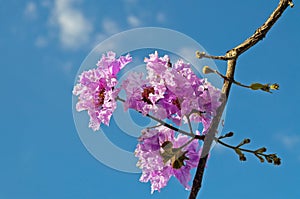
(264,87)
(256,86)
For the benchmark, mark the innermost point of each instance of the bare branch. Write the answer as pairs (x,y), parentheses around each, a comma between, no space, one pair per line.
(262,31)
(201,55)
(259,153)
(164,123)
(233,54)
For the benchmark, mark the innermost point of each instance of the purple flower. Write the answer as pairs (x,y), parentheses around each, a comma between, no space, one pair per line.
(184,94)
(96,89)
(141,95)
(157,64)
(111,65)
(162,156)
(193,154)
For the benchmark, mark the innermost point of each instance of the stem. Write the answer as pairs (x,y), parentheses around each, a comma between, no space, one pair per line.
(234,147)
(201,55)
(187,143)
(234,53)
(257,153)
(231,80)
(153,127)
(190,125)
(162,122)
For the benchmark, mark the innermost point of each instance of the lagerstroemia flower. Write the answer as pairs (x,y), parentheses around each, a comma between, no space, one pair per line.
(172,91)
(161,157)
(141,94)
(96,89)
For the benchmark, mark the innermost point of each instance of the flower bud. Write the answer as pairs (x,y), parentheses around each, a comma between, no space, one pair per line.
(269,160)
(207,70)
(199,54)
(246,141)
(260,158)
(230,134)
(261,150)
(256,86)
(277,161)
(243,158)
(274,86)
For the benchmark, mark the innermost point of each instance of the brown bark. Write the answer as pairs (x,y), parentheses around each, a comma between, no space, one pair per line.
(231,57)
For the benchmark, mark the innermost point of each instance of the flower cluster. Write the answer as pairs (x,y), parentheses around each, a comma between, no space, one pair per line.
(171,91)
(96,89)
(162,155)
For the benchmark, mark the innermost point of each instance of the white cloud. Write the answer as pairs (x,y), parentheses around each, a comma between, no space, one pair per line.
(289,141)
(133,21)
(41,42)
(161,17)
(100,37)
(110,27)
(46,3)
(30,10)
(74,28)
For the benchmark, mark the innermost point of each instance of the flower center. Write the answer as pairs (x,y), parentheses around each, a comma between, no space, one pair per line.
(176,103)
(101,97)
(146,93)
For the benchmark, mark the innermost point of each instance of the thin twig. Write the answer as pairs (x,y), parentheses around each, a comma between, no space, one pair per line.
(187,143)
(234,53)
(201,55)
(231,80)
(153,127)
(190,124)
(163,123)
(271,158)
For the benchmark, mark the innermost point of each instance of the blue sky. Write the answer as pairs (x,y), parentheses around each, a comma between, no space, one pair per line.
(42,48)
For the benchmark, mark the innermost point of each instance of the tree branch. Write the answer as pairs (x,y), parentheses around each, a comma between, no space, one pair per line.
(232,56)
(199,137)
(259,153)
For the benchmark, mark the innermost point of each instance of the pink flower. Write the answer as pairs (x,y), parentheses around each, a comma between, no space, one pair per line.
(141,95)
(184,92)
(96,89)
(161,157)
(111,65)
